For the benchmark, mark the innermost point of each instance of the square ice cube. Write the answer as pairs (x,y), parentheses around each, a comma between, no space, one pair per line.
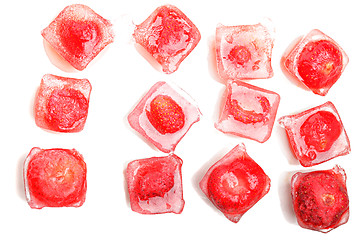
(235,183)
(244,51)
(316,135)
(61,104)
(164,115)
(168,35)
(316,60)
(248,111)
(155,185)
(78,34)
(54,178)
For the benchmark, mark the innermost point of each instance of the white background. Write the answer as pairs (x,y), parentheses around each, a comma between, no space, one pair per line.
(120,76)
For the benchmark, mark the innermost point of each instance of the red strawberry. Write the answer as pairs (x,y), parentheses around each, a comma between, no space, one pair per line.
(66,107)
(321,130)
(78,34)
(155,180)
(165,114)
(55,178)
(320,64)
(235,183)
(80,37)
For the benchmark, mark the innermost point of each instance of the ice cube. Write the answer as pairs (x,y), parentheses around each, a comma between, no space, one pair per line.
(320,199)
(78,34)
(317,61)
(244,51)
(155,185)
(61,104)
(164,115)
(316,135)
(54,178)
(168,35)
(248,111)
(235,183)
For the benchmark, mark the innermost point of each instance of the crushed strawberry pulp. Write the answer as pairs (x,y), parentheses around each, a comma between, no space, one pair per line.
(65,108)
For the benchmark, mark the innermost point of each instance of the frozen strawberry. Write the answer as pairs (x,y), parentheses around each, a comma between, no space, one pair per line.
(317,61)
(320,199)
(321,130)
(62,104)
(235,183)
(164,115)
(168,35)
(155,185)
(244,51)
(248,111)
(78,34)
(316,135)
(54,178)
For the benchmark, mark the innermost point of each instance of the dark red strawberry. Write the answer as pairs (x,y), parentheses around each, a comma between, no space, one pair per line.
(320,199)
(165,114)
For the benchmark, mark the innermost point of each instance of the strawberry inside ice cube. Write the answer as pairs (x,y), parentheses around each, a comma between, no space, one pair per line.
(164,115)
(321,130)
(235,183)
(244,51)
(248,111)
(78,34)
(168,35)
(317,61)
(54,178)
(320,199)
(62,104)
(155,185)
(316,135)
